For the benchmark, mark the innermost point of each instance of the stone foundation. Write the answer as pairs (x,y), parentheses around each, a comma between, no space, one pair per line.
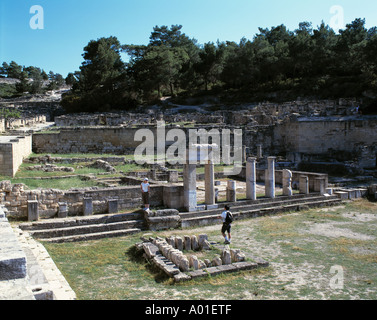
(176,257)
(15,198)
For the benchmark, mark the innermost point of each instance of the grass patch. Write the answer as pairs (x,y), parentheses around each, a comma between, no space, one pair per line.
(35,179)
(60,184)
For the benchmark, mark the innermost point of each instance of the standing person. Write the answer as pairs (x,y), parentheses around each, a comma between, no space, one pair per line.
(145,189)
(227,218)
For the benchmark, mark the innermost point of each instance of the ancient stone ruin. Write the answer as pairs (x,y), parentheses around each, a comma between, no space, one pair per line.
(284,168)
(176,257)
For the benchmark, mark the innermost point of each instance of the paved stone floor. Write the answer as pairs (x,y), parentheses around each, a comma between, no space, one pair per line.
(43,274)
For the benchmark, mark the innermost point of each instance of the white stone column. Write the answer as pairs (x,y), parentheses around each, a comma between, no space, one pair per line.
(251,179)
(210,183)
(244,154)
(270,178)
(287,183)
(189,187)
(304,184)
(231,191)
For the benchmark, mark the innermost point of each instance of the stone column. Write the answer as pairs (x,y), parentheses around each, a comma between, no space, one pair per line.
(210,183)
(259,151)
(270,178)
(304,184)
(173,176)
(244,154)
(88,206)
(63,210)
(231,194)
(216,195)
(251,179)
(287,183)
(189,187)
(32,210)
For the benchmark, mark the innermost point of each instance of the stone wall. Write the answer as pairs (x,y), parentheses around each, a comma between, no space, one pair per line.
(323,136)
(101,140)
(12,152)
(25,122)
(14,197)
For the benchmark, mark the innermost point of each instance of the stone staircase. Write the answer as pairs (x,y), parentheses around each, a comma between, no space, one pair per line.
(118,225)
(85,228)
(261,207)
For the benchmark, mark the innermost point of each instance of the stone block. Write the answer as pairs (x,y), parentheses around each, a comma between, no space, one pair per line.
(237,255)
(32,210)
(213,271)
(229,268)
(181,277)
(179,243)
(341,195)
(150,249)
(259,261)
(217,261)
(187,243)
(363,192)
(194,243)
(194,262)
(112,206)
(198,274)
(202,264)
(226,257)
(88,206)
(163,223)
(242,266)
(330,191)
(171,241)
(63,210)
(184,264)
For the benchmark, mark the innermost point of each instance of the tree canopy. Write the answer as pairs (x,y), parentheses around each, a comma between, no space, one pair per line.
(277,62)
(31,79)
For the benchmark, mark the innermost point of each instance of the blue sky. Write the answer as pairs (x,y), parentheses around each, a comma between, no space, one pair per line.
(70,24)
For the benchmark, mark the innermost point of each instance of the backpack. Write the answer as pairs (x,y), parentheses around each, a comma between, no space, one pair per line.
(229,218)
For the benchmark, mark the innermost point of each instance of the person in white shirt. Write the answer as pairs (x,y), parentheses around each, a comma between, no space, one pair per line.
(145,189)
(227,219)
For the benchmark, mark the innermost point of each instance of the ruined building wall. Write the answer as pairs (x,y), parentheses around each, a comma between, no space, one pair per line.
(319,136)
(316,136)
(14,197)
(101,140)
(12,152)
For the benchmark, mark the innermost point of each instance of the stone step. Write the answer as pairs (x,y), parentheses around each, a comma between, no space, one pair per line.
(260,203)
(86,229)
(203,220)
(93,236)
(80,221)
